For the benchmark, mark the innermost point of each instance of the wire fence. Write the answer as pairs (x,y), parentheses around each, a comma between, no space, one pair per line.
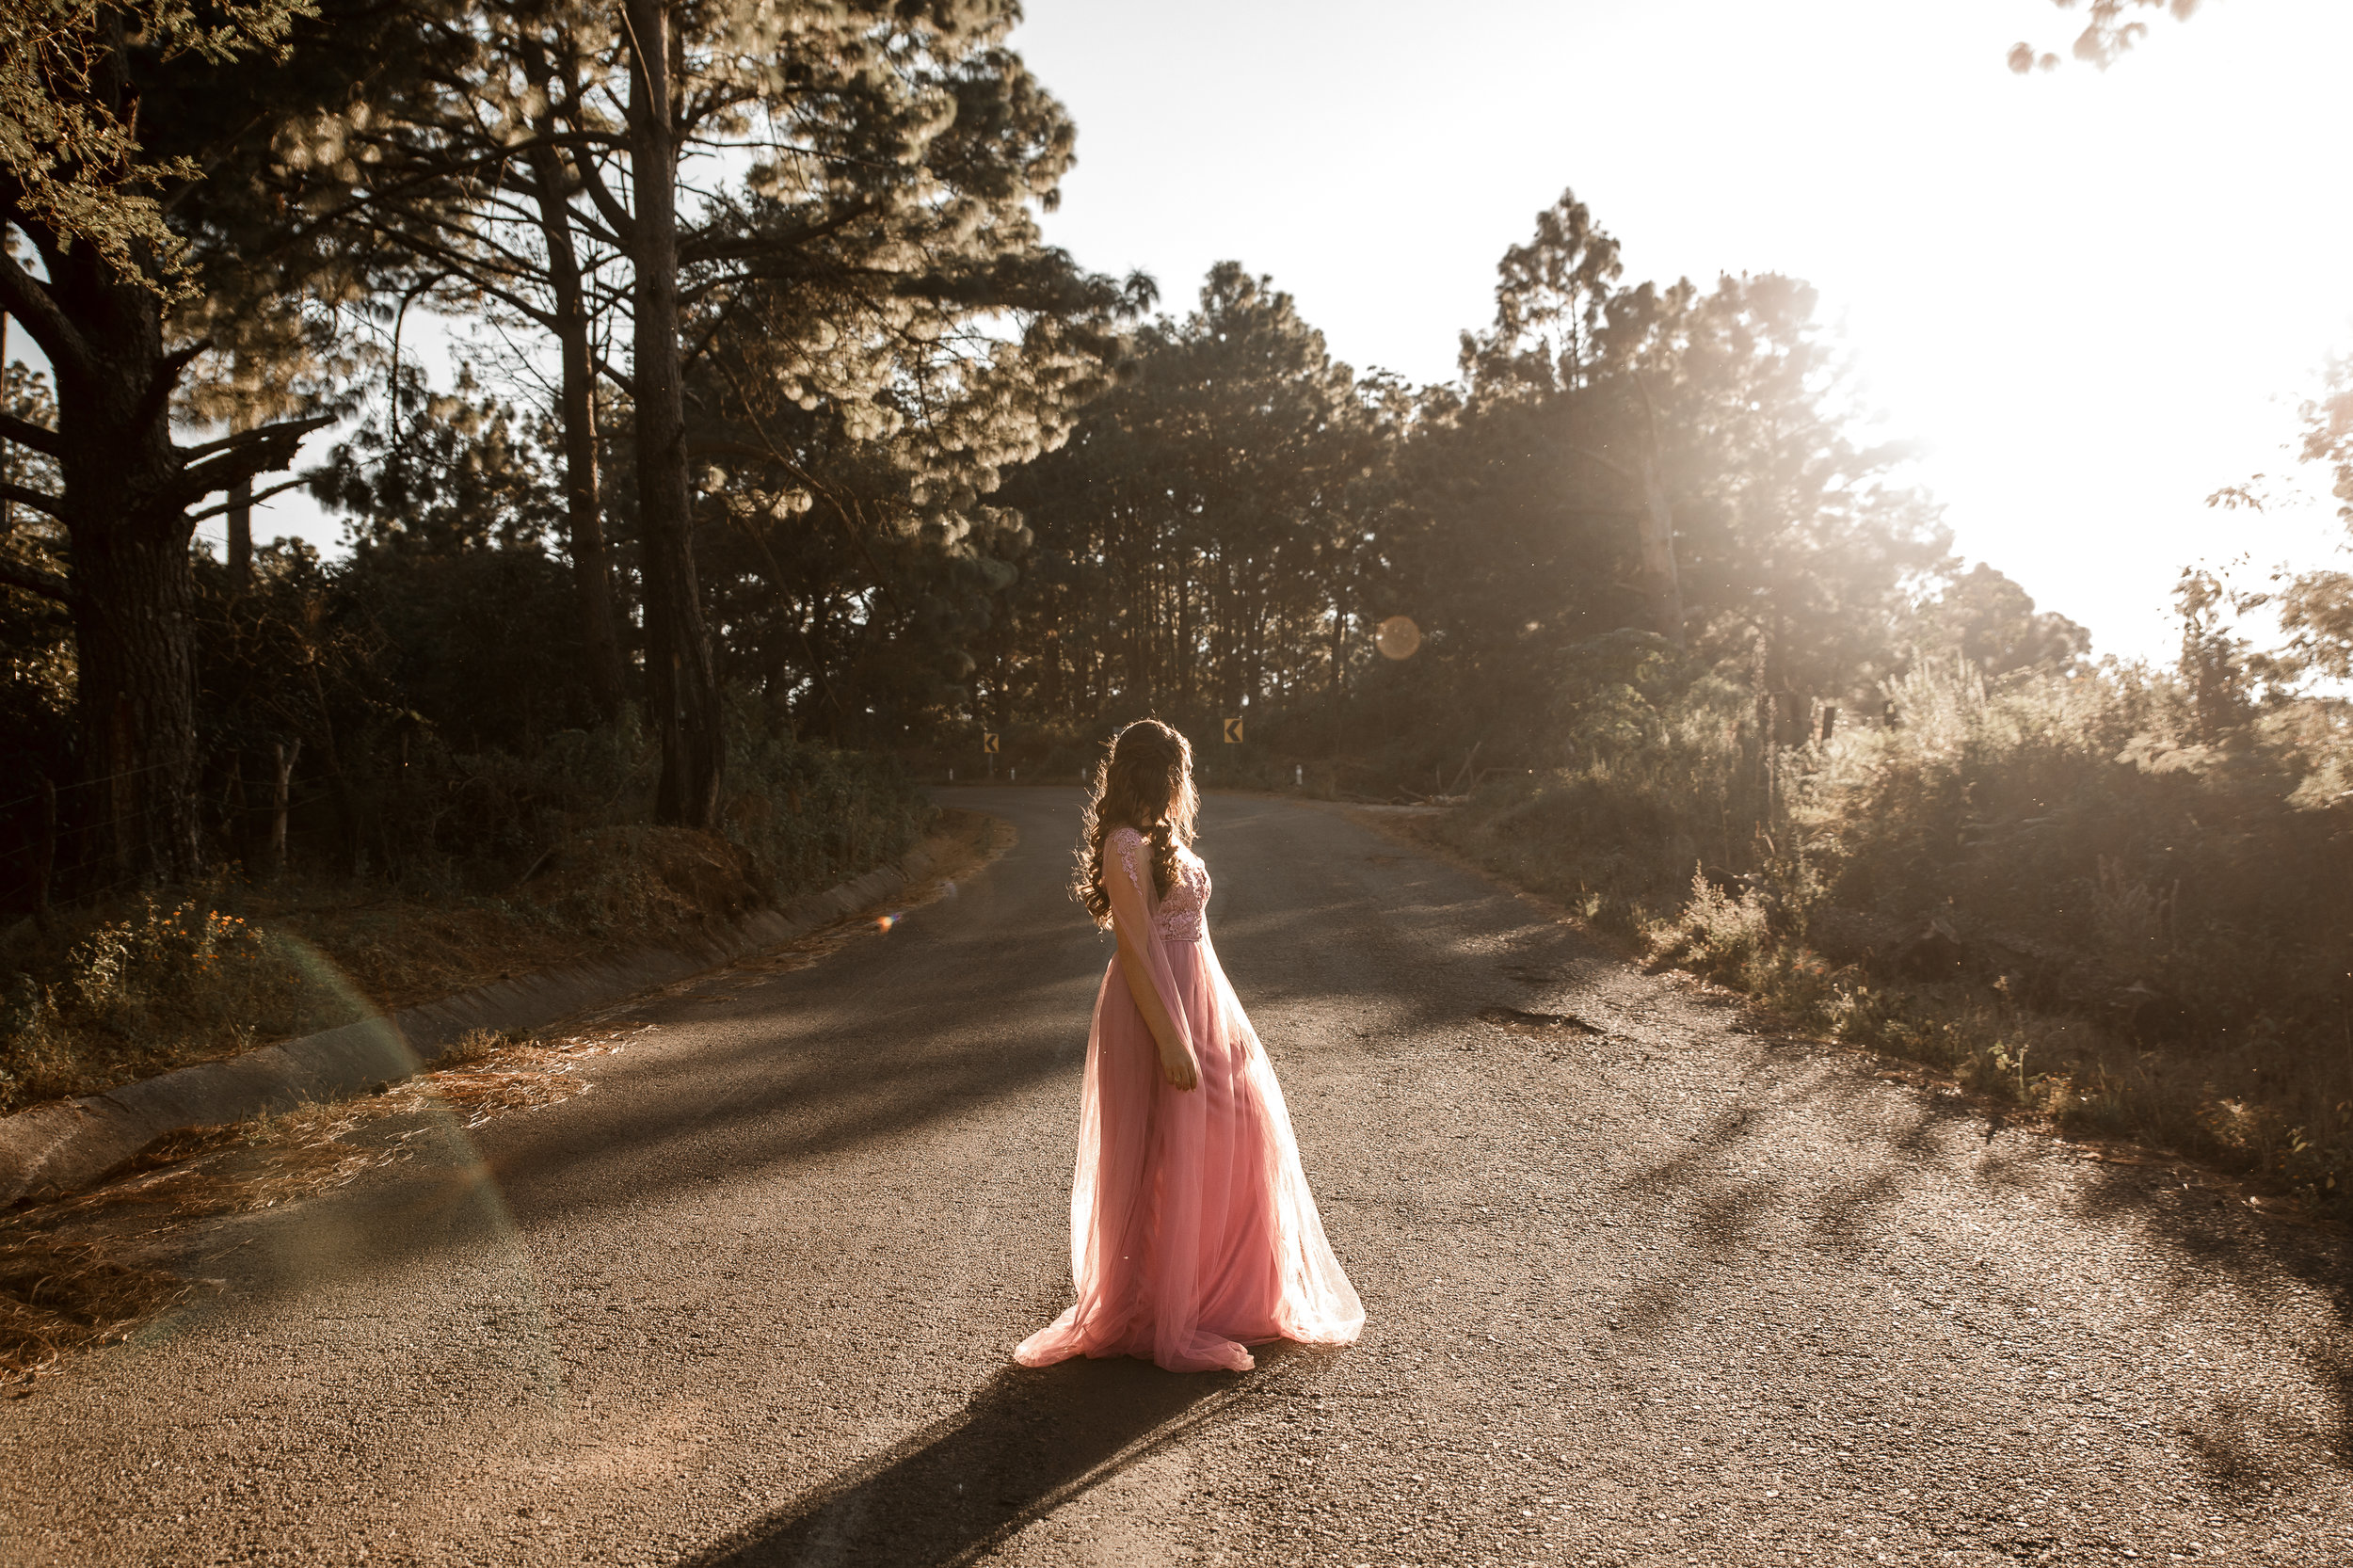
(51,846)
(61,790)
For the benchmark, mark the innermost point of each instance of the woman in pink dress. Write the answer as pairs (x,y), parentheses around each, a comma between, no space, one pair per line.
(1193,1234)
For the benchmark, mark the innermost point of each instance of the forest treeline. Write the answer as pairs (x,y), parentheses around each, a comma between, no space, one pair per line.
(781,420)
(785,461)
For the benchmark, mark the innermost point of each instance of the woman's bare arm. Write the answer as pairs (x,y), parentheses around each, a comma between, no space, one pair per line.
(1131,925)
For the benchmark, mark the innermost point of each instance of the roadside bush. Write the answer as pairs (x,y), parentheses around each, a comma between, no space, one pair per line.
(167,982)
(480,865)
(2070,891)
(812,815)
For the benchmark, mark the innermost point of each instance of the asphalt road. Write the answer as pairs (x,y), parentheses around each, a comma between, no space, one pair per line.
(1668,1292)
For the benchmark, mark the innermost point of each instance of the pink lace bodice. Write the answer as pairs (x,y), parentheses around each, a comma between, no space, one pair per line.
(1180,914)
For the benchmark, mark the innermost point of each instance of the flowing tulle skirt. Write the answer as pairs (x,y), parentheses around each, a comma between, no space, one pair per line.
(1192,1233)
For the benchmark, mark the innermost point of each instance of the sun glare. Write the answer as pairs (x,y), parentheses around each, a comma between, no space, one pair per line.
(2093,298)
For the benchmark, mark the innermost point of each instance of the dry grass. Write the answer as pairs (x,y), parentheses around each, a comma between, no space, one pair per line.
(85,1271)
(57,1297)
(488,1074)
(2040,889)
(81,1272)
(2117,1102)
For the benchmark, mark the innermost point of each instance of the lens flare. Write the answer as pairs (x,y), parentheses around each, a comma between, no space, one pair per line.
(1397,637)
(438,1198)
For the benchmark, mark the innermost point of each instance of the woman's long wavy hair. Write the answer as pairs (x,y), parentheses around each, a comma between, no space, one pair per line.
(1144,781)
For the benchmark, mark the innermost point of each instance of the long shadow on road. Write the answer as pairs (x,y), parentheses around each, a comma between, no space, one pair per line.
(2205,1235)
(971,1006)
(1027,1444)
(2197,1234)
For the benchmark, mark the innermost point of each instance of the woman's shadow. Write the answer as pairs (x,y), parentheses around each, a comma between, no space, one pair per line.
(1024,1445)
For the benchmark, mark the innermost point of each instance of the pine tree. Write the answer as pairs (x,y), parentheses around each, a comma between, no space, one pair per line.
(1198,537)
(893,152)
(107,182)
(460,186)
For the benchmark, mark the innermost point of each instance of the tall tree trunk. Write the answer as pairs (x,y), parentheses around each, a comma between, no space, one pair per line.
(1051,698)
(135,691)
(682,683)
(8,469)
(282,755)
(239,553)
(126,489)
(1185,676)
(45,853)
(583,498)
(241,528)
(1339,672)
(129,535)
(1660,583)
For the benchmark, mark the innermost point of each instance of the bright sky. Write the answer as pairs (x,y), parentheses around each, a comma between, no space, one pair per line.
(2097,297)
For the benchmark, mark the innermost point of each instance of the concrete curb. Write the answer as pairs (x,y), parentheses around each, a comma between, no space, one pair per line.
(69,1145)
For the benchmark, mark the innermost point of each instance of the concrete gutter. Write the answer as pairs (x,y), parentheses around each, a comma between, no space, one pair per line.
(70,1145)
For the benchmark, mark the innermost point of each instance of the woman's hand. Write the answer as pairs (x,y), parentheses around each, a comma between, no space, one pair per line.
(1178,1065)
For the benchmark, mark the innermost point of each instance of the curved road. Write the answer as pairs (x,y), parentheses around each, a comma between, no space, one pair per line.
(1658,1292)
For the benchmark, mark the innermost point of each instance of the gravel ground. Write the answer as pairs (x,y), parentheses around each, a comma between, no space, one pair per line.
(1643,1286)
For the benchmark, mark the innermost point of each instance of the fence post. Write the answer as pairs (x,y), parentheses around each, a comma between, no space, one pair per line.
(284,756)
(45,853)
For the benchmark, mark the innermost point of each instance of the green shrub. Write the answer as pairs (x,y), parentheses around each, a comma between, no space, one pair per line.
(172,981)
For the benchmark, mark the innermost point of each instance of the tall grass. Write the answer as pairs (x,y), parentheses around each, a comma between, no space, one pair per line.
(2080,892)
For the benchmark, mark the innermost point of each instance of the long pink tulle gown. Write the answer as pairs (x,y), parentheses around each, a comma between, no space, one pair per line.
(1193,1234)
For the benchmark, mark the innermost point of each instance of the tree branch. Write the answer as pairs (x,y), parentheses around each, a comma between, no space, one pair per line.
(40,501)
(24,432)
(704,447)
(243,455)
(167,373)
(709,246)
(616,216)
(28,577)
(256,498)
(260,433)
(428,173)
(470,269)
(25,297)
(605,368)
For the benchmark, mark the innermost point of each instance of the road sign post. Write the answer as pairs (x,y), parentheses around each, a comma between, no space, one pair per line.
(1233,733)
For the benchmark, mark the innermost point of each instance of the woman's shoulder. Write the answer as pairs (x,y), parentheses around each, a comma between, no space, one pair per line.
(1123,835)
